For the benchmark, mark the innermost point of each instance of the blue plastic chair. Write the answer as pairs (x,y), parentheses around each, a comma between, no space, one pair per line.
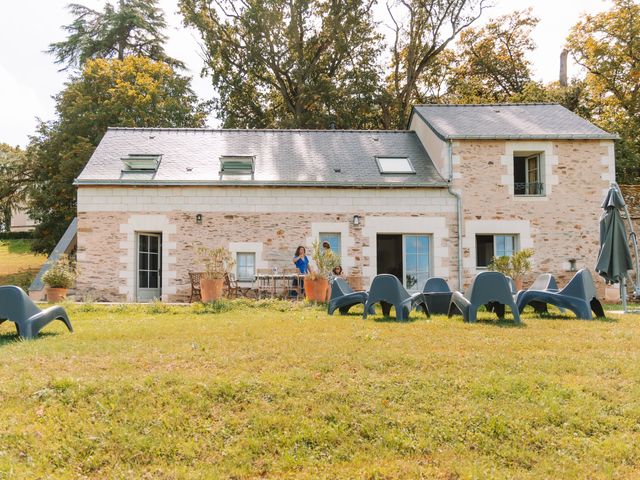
(17,307)
(437,295)
(487,288)
(579,296)
(544,282)
(387,290)
(343,297)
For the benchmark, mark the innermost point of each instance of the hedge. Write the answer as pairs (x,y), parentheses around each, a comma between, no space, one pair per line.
(15,235)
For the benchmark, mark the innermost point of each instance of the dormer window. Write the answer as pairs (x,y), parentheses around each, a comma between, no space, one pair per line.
(140,163)
(237,165)
(395,165)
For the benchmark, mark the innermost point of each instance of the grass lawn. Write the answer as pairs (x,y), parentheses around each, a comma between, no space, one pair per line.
(283,391)
(18,265)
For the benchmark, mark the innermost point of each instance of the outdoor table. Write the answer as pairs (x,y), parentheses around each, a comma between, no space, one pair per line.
(279,285)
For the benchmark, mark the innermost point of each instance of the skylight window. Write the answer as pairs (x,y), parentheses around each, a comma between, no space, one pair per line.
(237,165)
(140,163)
(395,165)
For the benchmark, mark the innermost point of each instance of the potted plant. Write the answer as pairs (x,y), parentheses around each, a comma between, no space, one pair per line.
(515,266)
(316,283)
(59,278)
(218,262)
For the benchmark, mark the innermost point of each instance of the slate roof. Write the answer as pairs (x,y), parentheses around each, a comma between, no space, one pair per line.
(282,157)
(516,121)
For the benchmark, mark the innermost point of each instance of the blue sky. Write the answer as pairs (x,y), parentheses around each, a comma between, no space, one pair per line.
(28,77)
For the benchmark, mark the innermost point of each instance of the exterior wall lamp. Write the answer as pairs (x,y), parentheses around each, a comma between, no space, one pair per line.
(572,265)
(356,220)
(199,219)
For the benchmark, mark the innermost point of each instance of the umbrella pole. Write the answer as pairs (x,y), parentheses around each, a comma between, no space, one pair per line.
(623,294)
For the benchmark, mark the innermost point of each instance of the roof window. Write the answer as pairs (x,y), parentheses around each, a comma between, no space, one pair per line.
(140,163)
(395,165)
(237,165)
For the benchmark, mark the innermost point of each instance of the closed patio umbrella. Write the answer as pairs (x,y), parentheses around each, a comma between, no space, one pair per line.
(614,260)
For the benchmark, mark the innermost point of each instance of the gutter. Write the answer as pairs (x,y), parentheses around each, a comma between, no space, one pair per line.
(217,183)
(458,198)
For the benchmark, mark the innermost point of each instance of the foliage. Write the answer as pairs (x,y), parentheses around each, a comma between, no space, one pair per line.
(606,45)
(61,275)
(290,64)
(491,63)
(132,27)
(28,235)
(325,260)
(218,262)
(300,394)
(134,92)
(14,178)
(515,266)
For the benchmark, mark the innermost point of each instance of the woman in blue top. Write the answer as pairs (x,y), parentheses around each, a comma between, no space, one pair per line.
(301,261)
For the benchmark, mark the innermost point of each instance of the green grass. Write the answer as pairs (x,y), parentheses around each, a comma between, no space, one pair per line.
(18,265)
(278,391)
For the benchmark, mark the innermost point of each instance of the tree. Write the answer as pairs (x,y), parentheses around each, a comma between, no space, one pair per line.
(134,27)
(491,62)
(423,30)
(290,63)
(134,92)
(14,178)
(607,46)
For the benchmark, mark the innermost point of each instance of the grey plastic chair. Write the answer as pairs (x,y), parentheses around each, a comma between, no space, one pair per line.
(544,282)
(17,307)
(387,290)
(487,288)
(579,296)
(437,295)
(343,297)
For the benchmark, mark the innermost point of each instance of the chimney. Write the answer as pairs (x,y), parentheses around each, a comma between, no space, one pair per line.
(563,68)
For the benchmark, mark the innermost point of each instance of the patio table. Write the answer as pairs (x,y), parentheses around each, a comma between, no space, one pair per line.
(284,285)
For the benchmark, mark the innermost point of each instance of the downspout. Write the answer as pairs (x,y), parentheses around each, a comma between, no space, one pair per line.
(458,198)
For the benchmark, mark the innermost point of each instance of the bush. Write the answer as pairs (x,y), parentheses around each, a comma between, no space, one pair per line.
(16,235)
(60,275)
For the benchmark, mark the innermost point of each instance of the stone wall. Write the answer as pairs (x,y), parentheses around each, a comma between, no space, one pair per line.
(561,225)
(267,221)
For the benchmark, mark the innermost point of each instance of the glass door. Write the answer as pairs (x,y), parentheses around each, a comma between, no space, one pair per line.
(149,270)
(416,261)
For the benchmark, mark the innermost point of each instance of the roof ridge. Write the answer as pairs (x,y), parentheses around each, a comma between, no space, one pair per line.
(254,130)
(484,104)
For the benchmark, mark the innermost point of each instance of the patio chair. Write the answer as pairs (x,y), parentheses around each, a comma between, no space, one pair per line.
(18,308)
(579,296)
(544,282)
(387,290)
(194,278)
(343,297)
(487,288)
(232,288)
(437,295)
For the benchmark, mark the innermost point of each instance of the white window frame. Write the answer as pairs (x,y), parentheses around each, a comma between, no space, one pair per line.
(418,287)
(540,173)
(248,278)
(409,171)
(516,245)
(337,251)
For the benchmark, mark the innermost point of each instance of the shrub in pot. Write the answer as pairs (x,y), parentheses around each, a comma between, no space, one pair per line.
(515,266)
(218,262)
(316,284)
(59,278)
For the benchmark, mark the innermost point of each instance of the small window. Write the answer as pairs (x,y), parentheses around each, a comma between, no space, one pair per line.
(527,174)
(236,165)
(395,165)
(334,240)
(246,266)
(140,163)
(489,246)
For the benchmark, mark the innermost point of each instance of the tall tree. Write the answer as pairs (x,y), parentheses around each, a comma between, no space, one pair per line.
(491,62)
(134,92)
(132,27)
(423,30)
(290,63)
(607,46)
(14,179)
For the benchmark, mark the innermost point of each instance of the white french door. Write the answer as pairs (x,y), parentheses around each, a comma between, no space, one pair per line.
(415,261)
(149,266)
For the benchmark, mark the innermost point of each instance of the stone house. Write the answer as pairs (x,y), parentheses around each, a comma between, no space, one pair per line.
(460,185)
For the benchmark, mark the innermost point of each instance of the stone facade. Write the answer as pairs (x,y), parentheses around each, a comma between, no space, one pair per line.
(267,221)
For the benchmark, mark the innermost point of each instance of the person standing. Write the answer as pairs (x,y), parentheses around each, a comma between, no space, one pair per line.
(301,261)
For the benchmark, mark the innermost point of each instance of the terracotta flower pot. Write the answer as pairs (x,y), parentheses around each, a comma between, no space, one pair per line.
(211,289)
(519,284)
(316,290)
(56,294)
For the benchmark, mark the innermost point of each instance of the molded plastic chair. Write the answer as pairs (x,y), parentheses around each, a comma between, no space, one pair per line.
(387,290)
(579,296)
(545,282)
(17,307)
(437,295)
(487,288)
(343,297)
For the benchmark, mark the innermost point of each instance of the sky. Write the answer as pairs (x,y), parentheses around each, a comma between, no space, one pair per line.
(29,78)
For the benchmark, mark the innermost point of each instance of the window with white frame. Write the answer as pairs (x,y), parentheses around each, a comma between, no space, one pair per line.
(489,246)
(527,173)
(395,165)
(416,261)
(335,241)
(245,266)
